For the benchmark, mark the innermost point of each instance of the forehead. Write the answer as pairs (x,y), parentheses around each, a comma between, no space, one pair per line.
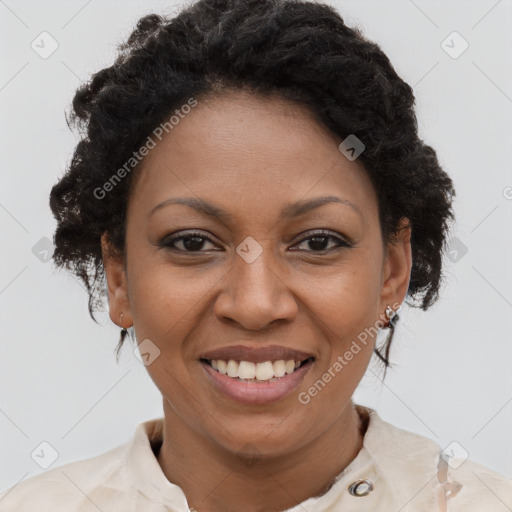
(251,153)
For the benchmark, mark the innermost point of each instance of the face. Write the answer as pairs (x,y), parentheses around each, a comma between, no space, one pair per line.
(263,273)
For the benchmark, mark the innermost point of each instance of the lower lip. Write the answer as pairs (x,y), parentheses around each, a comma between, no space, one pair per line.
(256,392)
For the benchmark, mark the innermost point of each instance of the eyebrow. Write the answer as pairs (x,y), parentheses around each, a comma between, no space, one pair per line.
(289,211)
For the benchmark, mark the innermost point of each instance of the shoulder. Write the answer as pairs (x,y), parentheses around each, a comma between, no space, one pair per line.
(423,474)
(481,488)
(77,486)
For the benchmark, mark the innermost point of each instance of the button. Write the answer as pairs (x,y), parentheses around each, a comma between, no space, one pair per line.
(361,488)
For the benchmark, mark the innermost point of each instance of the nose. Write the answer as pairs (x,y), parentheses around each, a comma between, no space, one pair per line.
(255,293)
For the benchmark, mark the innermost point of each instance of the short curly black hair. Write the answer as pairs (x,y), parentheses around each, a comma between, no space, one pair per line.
(299,50)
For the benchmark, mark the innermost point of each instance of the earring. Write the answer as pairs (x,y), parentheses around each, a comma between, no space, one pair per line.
(124,332)
(392,316)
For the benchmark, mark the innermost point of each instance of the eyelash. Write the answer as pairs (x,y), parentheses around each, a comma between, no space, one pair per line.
(168,242)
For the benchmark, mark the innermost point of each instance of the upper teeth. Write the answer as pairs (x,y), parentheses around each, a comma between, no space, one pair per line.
(249,370)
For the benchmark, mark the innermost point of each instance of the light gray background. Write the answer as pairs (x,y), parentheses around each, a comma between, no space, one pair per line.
(59,379)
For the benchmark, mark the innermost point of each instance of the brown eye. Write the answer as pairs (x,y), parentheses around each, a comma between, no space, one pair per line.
(191,242)
(318,241)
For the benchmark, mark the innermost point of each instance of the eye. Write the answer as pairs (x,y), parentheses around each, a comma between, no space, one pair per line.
(192,242)
(318,240)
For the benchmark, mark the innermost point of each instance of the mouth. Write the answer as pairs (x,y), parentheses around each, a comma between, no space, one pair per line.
(263,382)
(264,372)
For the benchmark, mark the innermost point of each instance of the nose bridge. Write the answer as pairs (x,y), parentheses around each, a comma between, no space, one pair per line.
(256,264)
(255,292)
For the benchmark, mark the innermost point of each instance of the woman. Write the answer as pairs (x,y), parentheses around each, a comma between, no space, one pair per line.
(251,189)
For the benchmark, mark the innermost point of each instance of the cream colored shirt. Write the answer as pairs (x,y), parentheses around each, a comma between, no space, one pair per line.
(405,469)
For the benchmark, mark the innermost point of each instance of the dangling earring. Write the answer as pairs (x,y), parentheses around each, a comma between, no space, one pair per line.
(392,316)
(124,332)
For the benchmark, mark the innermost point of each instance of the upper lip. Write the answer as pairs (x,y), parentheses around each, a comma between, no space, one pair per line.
(256,354)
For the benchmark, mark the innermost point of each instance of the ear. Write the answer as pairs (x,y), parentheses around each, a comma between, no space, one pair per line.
(115,275)
(396,271)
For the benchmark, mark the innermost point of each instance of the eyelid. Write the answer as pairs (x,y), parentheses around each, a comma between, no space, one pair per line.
(323,232)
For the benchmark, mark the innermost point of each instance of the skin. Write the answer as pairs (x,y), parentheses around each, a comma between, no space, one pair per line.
(252,156)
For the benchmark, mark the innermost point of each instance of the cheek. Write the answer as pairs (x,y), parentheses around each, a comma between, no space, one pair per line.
(347,302)
(346,327)
(166,300)
(346,310)
(165,307)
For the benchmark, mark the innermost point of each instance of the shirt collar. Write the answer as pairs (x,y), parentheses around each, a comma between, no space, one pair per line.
(144,473)
(389,457)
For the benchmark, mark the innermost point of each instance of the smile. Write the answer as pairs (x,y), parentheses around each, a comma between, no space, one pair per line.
(256,383)
(248,371)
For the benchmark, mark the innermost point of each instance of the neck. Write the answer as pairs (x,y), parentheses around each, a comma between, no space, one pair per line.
(212,478)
